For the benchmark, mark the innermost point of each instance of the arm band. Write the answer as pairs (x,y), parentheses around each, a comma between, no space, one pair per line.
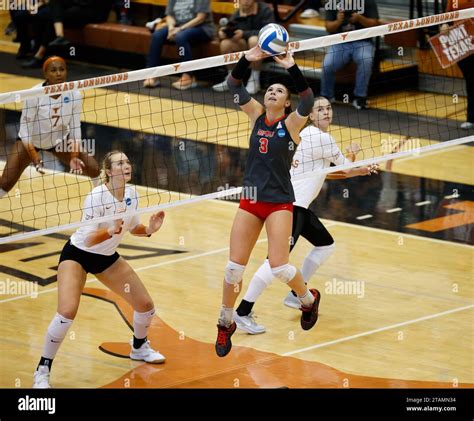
(306,102)
(300,81)
(241,67)
(238,91)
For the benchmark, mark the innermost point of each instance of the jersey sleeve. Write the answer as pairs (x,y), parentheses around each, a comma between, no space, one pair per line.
(28,119)
(336,156)
(75,123)
(91,210)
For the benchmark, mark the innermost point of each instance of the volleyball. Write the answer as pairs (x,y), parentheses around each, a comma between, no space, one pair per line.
(273,38)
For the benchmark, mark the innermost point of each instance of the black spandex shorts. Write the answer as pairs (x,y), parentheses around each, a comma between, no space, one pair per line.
(307,224)
(90,262)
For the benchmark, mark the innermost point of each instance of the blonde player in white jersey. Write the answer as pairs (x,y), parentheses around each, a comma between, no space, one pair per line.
(49,123)
(317,150)
(91,249)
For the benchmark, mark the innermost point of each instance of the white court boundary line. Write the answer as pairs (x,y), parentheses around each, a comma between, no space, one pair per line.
(225,59)
(380,329)
(400,234)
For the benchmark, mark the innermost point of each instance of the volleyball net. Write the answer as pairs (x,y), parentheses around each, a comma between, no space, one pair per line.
(190,146)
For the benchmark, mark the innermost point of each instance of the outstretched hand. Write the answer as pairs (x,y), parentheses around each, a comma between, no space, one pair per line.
(285,61)
(156,221)
(39,166)
(256,54)
(76,165)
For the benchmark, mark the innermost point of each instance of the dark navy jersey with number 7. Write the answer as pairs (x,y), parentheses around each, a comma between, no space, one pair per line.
(268,165)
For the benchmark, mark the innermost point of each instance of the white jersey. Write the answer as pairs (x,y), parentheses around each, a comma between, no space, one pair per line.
(316,151)
(100,202)
(46,121)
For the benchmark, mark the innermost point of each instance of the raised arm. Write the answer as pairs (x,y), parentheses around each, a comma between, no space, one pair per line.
(156,220)
(248,105)
(351,154)
(297,119)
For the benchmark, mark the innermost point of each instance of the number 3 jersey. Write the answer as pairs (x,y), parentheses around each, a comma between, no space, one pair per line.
(47,121)
(267,170)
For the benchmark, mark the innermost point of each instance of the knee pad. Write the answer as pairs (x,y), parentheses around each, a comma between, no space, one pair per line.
(284,273)
(233,273)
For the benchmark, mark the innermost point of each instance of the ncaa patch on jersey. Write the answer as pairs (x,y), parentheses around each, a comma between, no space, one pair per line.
(128,201)
(281,133)
(66,99)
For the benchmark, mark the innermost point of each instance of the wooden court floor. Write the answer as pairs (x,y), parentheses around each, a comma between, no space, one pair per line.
(396,309)
(406,321)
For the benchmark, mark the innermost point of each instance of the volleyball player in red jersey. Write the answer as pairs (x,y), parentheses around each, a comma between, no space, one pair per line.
(267,196)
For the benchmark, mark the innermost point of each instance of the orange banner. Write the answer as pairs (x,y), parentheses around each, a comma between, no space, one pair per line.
(454,44)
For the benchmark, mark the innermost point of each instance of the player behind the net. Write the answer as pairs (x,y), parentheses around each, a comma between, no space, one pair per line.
(50,123)
(92,249)
(316,151)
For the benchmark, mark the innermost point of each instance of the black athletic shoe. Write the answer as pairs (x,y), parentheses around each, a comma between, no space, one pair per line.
(223,343)
(33,63)
(360,103)
(309,315)
(59,42)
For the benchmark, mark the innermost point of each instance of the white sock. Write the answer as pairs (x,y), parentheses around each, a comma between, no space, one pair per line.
(225,318)
(55,335)
(261,279)
(307,299)
(315,258)
(141,323)
(3,193)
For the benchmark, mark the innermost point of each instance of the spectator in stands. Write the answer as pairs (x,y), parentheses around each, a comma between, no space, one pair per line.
(465,64)
(29,28)
(188,22)
(55,14)
(361,52)
(241,33)
(311,10)
(76,13)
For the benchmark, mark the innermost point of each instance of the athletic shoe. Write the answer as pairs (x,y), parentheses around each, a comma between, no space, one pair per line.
(248,323)
(253,86)
(309,13)
(151,83)
(292,301)
(221,87)
(360,103)
(59,42)
(309,315)
(42,378)
(146,353)
(33,63)
(223,342)
(467,125)
(183,84)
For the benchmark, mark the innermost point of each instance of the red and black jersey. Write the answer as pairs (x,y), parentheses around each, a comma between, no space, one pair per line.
(269,160)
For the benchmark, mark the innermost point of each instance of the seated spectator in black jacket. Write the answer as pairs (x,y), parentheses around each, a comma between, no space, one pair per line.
(241,33)
(51,18)
(76,13)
